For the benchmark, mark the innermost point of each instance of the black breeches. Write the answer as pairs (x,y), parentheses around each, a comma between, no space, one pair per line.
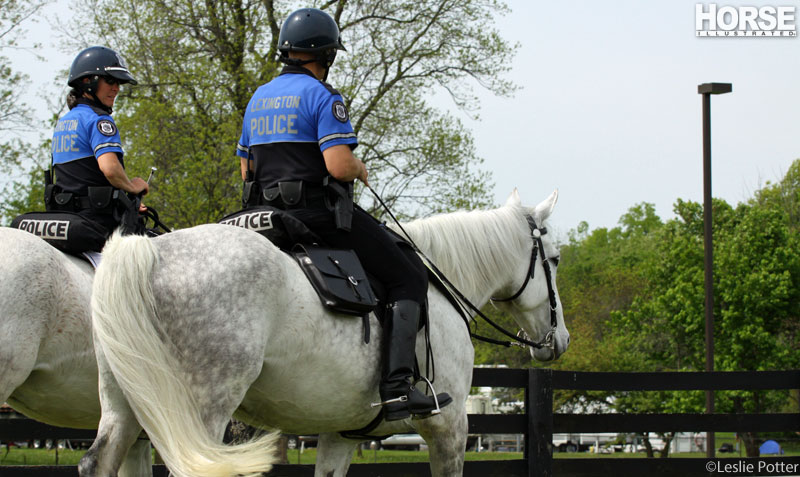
(399,269)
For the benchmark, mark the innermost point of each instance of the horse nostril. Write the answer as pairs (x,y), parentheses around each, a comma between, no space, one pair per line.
(567,339)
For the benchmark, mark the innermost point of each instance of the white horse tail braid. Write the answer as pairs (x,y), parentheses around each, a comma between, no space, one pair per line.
(128,331)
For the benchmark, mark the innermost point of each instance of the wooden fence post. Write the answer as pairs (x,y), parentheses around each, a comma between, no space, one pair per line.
(539,404)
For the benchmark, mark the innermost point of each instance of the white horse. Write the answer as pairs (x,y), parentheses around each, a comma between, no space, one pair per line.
(214,321)
(48,370)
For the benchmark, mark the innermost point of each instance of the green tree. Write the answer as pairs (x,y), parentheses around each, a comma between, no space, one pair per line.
(198,64)
(16,165)
(756,305)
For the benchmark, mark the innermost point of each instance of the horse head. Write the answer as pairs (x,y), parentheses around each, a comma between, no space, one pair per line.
(530,295)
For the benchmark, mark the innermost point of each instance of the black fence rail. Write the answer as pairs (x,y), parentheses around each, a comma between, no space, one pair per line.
(539,423)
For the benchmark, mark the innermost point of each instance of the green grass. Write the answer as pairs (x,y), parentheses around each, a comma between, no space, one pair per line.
(17,456)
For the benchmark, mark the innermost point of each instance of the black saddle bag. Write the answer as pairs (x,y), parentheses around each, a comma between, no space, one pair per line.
(66,231)
(338,277)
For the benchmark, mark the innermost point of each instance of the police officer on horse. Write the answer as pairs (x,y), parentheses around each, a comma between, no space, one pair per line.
(87,151)
(296,152)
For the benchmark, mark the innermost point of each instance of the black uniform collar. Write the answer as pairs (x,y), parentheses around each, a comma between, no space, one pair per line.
(292,69)
(97,106)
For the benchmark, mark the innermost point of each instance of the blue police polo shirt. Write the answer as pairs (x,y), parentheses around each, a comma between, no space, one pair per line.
(80,137)
(288,123)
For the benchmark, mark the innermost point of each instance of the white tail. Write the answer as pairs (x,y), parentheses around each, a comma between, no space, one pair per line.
(127,328)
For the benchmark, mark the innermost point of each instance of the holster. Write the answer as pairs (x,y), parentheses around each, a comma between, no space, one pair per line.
(49,190)
(49,197)
(339,199)
(250,193)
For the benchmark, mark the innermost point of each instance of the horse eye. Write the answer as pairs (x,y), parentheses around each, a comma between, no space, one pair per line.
(556,260)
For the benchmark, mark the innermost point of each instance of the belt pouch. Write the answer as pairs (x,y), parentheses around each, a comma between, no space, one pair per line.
(271,194)
(291,192)
(100,198)
(64,201)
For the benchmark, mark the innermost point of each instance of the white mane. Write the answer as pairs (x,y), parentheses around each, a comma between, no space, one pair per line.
(476,249)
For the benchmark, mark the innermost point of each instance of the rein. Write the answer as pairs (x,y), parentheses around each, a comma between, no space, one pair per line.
(520,339)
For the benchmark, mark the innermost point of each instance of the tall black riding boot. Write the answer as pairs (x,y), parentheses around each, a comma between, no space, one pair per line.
(400,398)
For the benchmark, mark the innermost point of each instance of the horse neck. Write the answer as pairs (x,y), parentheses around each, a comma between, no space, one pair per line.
(476,250)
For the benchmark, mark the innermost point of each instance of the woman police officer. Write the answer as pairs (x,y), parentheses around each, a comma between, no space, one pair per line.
(297,137)
(87,151)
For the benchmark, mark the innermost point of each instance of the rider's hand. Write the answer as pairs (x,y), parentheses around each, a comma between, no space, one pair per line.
(363,176)
(142,208)
(140,186)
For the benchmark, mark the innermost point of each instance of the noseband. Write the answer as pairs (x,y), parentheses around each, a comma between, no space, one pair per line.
(536,235)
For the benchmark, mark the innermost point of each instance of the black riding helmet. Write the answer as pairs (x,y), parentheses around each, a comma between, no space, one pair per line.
(98,61)
(313,31)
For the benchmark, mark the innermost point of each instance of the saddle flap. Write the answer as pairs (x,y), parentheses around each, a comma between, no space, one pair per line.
(338,278)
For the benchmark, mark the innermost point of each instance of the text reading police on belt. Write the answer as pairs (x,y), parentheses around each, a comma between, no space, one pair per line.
(87,153)
(296,154)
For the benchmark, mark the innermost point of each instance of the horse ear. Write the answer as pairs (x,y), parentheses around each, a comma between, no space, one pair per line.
(543,210)
(513,199)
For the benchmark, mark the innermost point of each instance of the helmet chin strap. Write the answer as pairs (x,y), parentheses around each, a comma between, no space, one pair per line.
(91,88)
(324,58)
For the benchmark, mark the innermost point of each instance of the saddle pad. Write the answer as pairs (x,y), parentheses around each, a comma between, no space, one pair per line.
(93,258)
(338,278)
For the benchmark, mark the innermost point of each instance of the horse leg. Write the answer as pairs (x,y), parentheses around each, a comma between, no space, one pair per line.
(20,336)
(15,365)
(334,454)
(117,432)
(446,436)
(138,461)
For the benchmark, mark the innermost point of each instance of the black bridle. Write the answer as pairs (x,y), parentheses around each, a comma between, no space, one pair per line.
(536,235)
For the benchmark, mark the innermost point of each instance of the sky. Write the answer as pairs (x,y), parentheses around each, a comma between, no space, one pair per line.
(608,111)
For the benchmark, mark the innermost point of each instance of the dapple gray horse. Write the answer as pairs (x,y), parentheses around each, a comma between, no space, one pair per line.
(48,370)
(204,323)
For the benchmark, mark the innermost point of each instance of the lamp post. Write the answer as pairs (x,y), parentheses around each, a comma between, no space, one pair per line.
(707,89)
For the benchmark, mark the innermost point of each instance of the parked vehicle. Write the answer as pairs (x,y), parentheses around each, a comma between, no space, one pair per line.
(404,442)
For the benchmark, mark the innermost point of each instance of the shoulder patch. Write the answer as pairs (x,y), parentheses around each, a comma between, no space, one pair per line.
(340,111)
(106,127)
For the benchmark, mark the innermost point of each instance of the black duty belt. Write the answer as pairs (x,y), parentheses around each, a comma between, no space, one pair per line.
(100,199)
(294,195)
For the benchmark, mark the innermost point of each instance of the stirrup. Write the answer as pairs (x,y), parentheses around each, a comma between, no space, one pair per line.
(402,398)
(436,411)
